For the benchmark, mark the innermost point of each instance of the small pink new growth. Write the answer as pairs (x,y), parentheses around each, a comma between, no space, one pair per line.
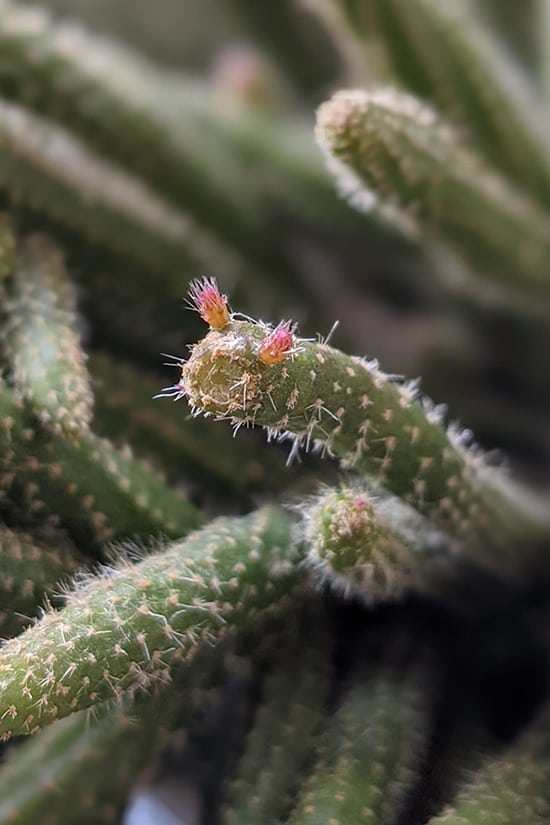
(206,298)
(278,344)
(359,502)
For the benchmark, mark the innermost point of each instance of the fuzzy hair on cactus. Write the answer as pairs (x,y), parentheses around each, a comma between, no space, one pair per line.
(345,621)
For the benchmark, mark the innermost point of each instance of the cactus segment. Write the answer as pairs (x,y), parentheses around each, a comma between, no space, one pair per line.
(41,340)
(286,725)
(446,52)
(127,629)
(374,423)
(386,147)
(114,497)
(372,753)
(510,788)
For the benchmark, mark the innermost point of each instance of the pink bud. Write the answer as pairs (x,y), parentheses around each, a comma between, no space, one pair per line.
(276,346)
(206,298)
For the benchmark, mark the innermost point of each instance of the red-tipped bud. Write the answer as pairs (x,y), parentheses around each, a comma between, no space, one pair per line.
(206,298)
(276,346)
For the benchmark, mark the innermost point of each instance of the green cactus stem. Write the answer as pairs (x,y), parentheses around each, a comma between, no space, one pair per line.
(372,546)
(374,423)
(387,148)
(510,788)
(125,630)
(124,410)
(31,570)
(365,544)
(372,752)
(51,172)
(96,492)
(41,341)
(110,104)
(445,52)
(84,766)
(286,726)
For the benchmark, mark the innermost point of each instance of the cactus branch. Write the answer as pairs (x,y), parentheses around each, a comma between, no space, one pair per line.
(510,788)
(41,341)
(125,630)
(372,752)
(97,493)
(445,52)
(386,146)
(374,423)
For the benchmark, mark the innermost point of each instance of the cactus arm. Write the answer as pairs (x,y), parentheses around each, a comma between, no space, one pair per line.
(41,342)
(94,759)
(346,406)
(373,546)
(371,756)
(385,146)
(115,497)
(50,171)
(30,572)
(286,726)
(447,53)
(124,630)
(508,789)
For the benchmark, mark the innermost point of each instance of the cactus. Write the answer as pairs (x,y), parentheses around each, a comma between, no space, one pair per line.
(508,789)
(446,53)
(286,727)
(144,618)
(385,144)
(373,750)
(41,343)
(346,406)
(384,164)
